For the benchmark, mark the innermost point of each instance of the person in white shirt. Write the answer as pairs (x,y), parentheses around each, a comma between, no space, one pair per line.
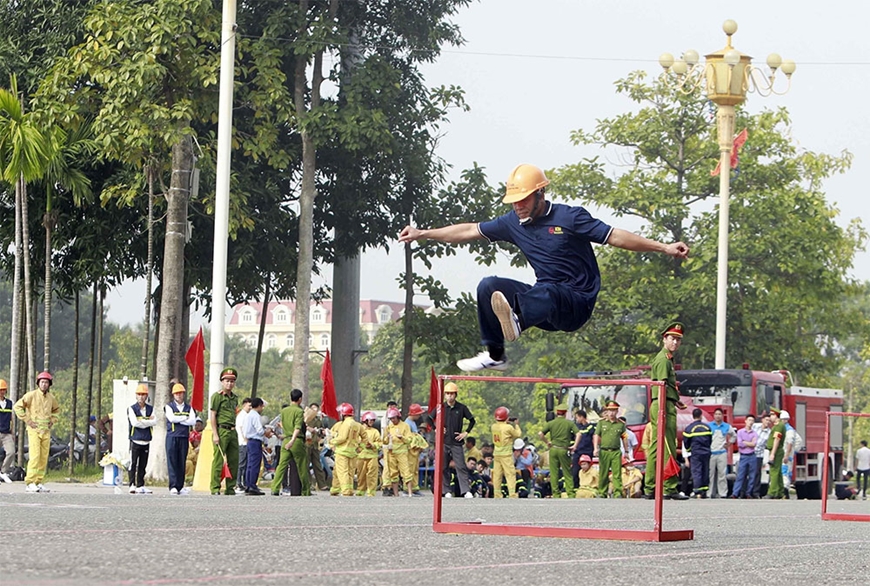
(632,441)
(180,419)
(255,434)
(243,442)
(862,467)
(142,419)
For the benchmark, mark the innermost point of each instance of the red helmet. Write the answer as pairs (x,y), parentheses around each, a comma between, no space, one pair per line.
(45,375)
(501,413)
(345,409)
(368,416)
(393,412)
(415,409)
(585,458)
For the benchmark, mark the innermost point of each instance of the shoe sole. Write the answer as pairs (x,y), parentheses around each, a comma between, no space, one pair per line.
(503,311)
(464,366)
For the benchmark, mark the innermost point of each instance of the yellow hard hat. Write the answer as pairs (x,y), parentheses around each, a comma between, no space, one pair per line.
(523,181)
(3,384)
(178,388)
(142,389)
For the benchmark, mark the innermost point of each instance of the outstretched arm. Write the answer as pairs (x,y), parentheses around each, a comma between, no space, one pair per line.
(455,234)
(636,243)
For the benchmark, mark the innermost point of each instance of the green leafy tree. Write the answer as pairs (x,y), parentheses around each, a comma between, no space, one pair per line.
(786,289)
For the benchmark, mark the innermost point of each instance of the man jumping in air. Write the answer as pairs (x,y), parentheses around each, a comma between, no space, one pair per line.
(556,239)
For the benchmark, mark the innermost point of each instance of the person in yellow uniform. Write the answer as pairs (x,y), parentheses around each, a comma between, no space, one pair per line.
(398,439)
(503,435)
(345,445)
(335,486)
(632,480)
(38,409)
(367,460)
(587,488)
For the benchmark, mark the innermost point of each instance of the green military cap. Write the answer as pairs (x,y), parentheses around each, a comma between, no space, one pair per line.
(674,328)
(775,410)
(611,405)
(562,408)
(229,372)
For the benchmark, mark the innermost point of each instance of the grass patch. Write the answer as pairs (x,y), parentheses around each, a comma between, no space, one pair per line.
(81,473)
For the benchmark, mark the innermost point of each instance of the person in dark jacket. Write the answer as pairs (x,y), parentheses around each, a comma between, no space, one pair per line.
(697,437)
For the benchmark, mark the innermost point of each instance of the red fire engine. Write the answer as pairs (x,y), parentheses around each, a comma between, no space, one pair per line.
(738,392)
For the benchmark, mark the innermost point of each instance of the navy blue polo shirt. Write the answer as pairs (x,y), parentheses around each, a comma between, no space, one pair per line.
(557,244)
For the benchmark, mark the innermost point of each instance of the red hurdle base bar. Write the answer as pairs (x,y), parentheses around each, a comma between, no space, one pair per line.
(479,528)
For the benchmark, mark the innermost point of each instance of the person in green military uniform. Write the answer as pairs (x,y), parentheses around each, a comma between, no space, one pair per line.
(776,445)
(293,445)
(662,369)
(561,431)
(611,435)
(222,417)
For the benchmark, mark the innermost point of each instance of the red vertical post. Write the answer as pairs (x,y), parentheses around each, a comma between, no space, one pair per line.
(439,454)
(660,451)
(825,468)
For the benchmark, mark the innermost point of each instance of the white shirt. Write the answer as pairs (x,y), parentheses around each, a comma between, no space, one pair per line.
(252,426)
(240,423)
(143,423)
(862,458)
(170,409)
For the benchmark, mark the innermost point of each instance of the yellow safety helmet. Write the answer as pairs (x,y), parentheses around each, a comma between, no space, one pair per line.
(523,181)
(3,385)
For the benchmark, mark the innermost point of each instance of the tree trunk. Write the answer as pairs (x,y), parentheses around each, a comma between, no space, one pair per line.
(407,322)
(28,287)
(48,221)
(171,296)
(75,391)
(149,271)
(15,355)
(184,340)
(306,198)
(99,361)
(91,357)
(259,354)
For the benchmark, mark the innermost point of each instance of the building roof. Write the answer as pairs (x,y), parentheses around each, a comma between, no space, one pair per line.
(368,310)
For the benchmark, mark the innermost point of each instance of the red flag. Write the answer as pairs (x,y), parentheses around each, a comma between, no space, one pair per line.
(434,387)
(195,359)
(225,471)
(671,467)
(328,403)
(739,141)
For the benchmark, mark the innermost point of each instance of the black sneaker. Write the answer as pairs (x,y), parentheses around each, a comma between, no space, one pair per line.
(676,496)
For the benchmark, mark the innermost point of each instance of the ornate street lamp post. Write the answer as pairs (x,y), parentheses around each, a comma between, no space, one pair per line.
(728,75)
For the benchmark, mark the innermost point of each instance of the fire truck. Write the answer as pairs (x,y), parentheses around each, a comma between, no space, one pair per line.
(738,392)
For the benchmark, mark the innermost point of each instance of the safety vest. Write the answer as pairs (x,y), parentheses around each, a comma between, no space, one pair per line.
(141,434)
(178,429)
(6,416)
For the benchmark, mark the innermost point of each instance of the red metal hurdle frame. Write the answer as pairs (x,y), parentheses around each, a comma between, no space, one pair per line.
(480,528)
(826,516)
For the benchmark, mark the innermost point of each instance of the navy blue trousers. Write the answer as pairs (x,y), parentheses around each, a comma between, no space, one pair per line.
(548,306)
(176,459)
(745,476)
(700,472)
(255,458)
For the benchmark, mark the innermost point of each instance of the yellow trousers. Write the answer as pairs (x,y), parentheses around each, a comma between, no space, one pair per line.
(344,469)
(38,444)
(503,467)
(366,476)
(400,465)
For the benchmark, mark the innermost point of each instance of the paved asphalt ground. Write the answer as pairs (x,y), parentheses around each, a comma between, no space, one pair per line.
(87,534)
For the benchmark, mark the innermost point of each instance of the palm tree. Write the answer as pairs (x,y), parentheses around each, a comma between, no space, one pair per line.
(63,173)
(24,151)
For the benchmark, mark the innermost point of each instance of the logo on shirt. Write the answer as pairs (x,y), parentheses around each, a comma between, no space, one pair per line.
(555,229)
